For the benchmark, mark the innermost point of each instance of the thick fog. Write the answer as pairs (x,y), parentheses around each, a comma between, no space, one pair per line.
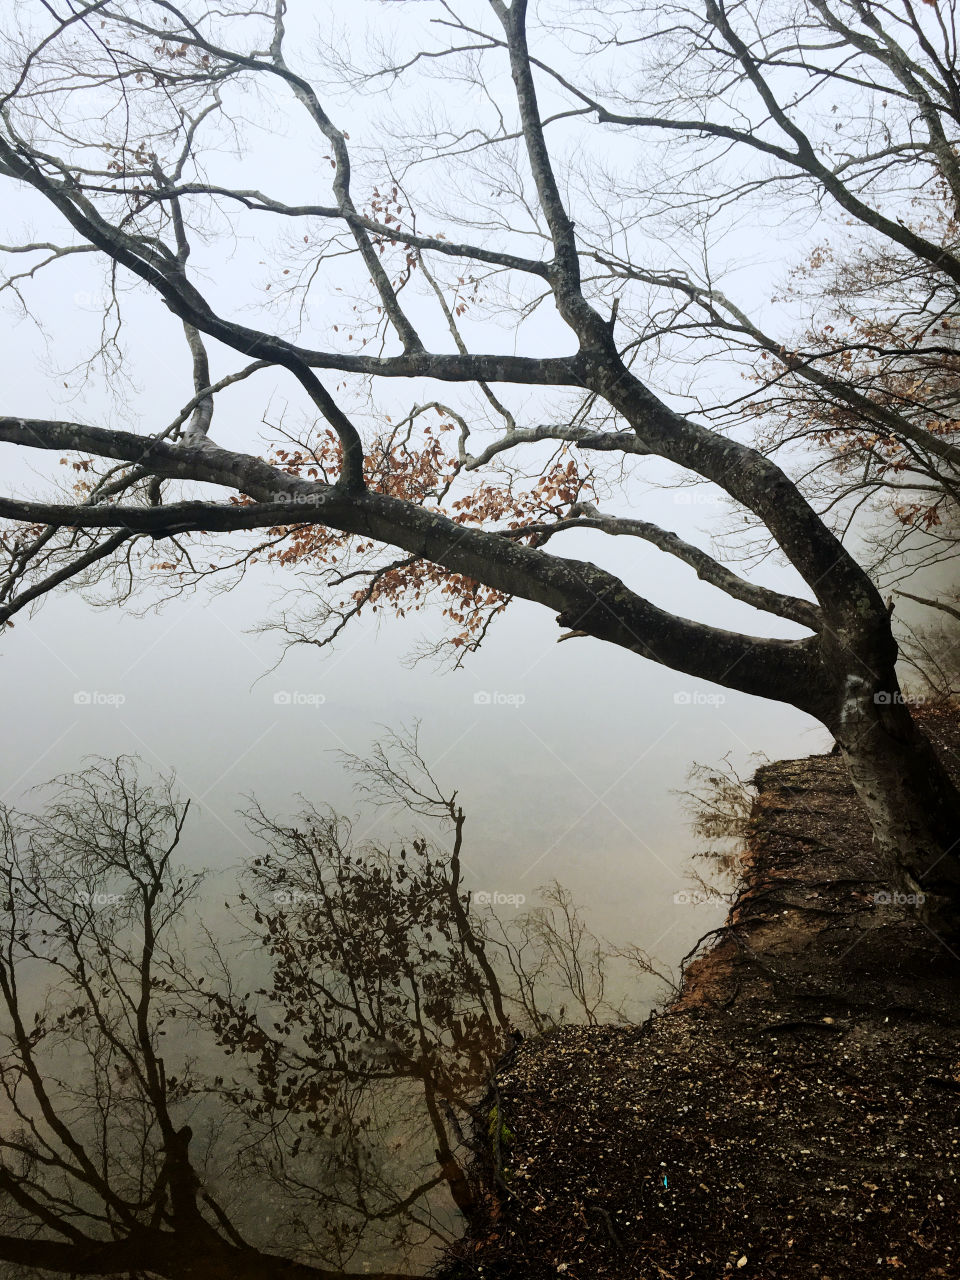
(566,756)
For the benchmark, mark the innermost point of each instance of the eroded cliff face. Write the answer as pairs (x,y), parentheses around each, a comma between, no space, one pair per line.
(794,1112)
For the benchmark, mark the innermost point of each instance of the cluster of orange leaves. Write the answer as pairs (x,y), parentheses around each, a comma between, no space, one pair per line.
(424,473)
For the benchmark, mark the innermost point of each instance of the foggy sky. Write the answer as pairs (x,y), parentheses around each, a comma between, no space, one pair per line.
(567,774)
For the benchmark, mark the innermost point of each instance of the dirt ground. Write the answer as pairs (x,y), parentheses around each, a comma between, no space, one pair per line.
(795,1112)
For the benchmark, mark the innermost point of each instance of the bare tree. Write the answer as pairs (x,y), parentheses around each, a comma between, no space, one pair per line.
(115,118)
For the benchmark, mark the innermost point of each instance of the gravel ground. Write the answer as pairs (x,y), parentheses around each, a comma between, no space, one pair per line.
(795,1112)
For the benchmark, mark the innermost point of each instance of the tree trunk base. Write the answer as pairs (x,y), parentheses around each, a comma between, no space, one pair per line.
(911,801)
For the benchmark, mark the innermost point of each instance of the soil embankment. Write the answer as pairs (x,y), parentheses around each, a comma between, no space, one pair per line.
(795,1112)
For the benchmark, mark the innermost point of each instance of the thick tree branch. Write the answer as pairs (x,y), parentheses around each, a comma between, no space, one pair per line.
(585,596)
(585,516)
(942,605)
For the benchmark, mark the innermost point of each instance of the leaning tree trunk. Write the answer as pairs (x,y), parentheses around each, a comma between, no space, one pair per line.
(911,800)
